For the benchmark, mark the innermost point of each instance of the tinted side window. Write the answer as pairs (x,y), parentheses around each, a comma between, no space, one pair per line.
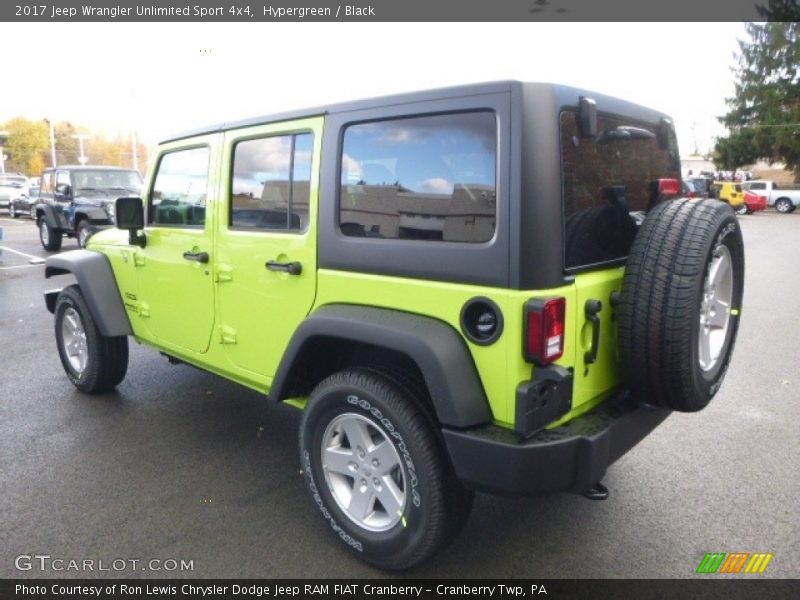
(178,196)
(421,178)
(271,183)
(758,186)
(609,182)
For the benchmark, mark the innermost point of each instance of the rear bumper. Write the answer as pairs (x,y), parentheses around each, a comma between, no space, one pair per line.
(571,458)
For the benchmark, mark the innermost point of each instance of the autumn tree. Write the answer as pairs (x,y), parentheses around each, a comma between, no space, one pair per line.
(26,145)
(764,113)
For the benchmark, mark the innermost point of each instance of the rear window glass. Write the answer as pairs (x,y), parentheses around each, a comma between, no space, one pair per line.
(429,178)
(609,183)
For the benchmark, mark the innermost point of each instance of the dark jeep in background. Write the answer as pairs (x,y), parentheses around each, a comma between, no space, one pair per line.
(78,201)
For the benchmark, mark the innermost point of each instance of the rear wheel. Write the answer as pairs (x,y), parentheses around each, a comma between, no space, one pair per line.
(784,205)
(679,307)
(94,363)
(742,210)
(11,210)
(50,238)
(376,470)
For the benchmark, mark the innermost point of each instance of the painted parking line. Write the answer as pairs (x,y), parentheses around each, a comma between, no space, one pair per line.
(35,260)
(22,266)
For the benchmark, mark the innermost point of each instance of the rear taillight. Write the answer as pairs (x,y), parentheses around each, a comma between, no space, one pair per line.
(544,330)
(670,187)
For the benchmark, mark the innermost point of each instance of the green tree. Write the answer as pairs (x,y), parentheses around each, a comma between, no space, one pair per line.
(26,145)
(764,114)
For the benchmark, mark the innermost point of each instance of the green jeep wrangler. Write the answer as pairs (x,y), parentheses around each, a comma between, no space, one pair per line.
(493,287)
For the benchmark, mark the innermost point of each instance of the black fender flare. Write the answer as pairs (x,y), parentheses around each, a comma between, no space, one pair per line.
(438,350)
(49,213)
(94,214)
(98,285)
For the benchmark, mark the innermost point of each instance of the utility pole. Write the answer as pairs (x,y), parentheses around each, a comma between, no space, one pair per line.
(52,142)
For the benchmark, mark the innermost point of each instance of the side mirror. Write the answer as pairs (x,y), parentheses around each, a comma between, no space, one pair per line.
(64,190)
(588,117)
(130,216)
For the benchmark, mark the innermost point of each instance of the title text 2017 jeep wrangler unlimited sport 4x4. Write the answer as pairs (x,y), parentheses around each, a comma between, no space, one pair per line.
(490,287)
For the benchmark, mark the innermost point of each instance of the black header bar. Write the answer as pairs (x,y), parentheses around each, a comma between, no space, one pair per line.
(383,11)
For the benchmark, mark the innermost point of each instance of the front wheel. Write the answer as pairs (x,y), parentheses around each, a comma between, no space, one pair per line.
(784,205)
(83,233)
(50,238)
(742,210)
(94,363)
(376,471)
(11,210)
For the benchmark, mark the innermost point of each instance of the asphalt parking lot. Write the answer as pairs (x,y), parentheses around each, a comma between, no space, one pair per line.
(179,464)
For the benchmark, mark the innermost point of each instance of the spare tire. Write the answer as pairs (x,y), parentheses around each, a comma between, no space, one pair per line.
(681,298)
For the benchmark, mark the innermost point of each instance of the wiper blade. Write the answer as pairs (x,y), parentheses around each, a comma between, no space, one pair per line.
(624,133)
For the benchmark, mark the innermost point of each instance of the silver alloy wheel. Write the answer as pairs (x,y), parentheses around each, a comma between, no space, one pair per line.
(783,205)
(83,236)
(363,472)
(33,213)
(44,232)
(715,308)
(11,212)
(73,338)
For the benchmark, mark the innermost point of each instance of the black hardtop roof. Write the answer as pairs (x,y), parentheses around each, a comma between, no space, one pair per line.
(560,94)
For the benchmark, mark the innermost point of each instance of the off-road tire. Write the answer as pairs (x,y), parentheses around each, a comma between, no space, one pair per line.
(664,292)
(83,232)
(435,501)
(49,237)
(107,357)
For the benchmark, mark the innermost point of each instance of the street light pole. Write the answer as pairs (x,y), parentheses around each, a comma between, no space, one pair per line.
(80,137)
(3,138)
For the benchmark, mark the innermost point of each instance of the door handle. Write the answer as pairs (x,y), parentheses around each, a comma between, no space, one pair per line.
(201,257)
(292,268)
(592,309)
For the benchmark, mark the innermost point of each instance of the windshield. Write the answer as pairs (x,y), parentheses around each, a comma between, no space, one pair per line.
(103,180)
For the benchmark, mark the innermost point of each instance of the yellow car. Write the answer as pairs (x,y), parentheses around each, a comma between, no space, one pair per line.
(728,191)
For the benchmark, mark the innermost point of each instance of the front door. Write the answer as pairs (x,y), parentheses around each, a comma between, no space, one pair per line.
(176,290)
(266,246)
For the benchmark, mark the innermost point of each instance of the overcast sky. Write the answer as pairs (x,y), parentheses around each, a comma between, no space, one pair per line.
(165,77)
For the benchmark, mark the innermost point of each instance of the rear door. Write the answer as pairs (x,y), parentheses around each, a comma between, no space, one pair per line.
(266,246)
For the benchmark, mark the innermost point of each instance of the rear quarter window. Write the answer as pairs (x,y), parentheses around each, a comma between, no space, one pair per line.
(609,183)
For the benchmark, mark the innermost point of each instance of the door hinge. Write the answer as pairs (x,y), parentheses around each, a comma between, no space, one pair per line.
(224,274)
(138,259)
(144,310)
(227,335)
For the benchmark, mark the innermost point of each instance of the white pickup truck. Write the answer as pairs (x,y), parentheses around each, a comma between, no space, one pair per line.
(783,200)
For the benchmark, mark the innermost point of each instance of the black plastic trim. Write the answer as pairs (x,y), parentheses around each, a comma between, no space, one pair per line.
(98,286)
(437,349)
(465,328)
(542,400)
(572,457)
(50,215)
